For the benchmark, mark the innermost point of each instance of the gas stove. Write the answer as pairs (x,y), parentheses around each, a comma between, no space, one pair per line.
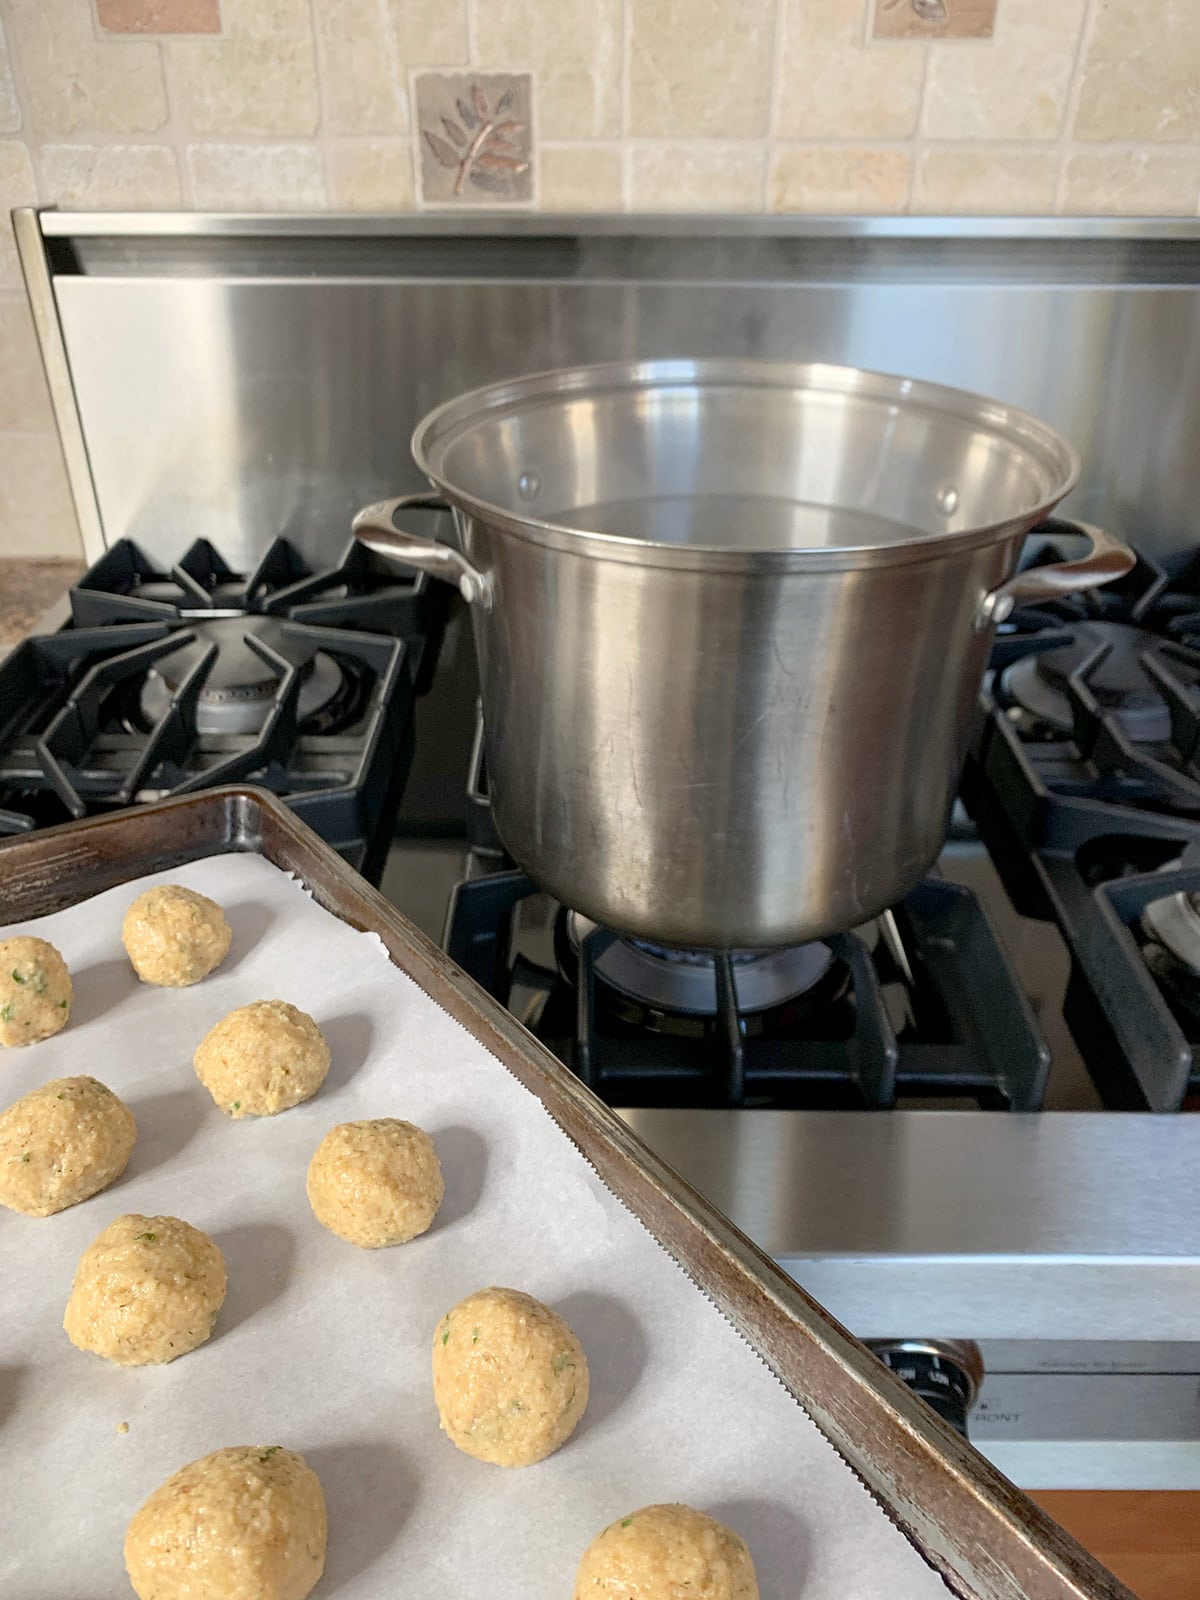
(152,682)
(1066,1240)
(1085,788)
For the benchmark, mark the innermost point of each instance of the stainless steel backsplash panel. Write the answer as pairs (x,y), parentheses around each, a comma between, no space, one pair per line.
(237,378)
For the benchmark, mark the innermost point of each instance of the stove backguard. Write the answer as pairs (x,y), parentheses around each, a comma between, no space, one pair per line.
(235,378)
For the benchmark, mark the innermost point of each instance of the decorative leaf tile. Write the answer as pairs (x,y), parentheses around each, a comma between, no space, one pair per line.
(475,138)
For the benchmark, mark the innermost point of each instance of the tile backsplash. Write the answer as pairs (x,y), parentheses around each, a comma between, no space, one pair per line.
(572,105)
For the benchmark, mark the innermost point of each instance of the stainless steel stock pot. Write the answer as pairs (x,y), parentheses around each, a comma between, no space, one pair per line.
(732,620)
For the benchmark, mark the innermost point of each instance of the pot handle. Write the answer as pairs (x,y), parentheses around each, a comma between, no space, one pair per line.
(375,527)
(1107,559)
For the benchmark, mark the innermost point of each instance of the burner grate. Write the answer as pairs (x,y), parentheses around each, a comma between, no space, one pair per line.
(153,690)
(88,750)
(960,1029)
(359,591)
(1087,829)
(1169,779)
(1092,867)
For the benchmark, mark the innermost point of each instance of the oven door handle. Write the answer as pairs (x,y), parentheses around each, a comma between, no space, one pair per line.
(375,527)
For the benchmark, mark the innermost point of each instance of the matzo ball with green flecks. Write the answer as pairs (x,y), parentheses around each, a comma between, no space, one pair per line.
(262,1058)
(61,1144)
(664,1552)
(35,991)
(509,1377)
(147,1289)
(246,1523)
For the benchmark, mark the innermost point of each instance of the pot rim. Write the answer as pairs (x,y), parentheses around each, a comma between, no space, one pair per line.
(1035,438)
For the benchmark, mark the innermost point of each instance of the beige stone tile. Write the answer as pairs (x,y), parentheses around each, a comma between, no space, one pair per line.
(1133,182)
(247,86)
(700,67)
(836,178)
(371,175)
(261,79)
(10,111)
(579,177)
(133,176)
(1141,74)
(834,85)
(697,177)
(18,187)
(266,19)
(432,33)
(1004,182)
(159,16)
(366,48)
(574,47)
(24,398)
(36,514)
(76,83)
(362,86)
(256,177)
(1013,87)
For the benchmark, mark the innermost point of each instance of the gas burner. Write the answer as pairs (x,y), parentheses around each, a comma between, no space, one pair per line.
(1108,708)
(809,1027)
(300,679)
(1117,677)
(1174,923)
(242,682)
(684,981)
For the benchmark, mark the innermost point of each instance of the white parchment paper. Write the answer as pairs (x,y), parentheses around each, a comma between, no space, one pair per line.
(325,1348)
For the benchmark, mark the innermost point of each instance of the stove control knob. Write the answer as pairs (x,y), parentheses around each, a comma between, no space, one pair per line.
(945,1373)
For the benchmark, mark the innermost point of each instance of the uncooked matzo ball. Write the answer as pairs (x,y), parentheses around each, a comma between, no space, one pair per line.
(174,936)
(146,1290)
(35,990)
(246,1523)
(62,1143)
(375,1183)
(262,1058)
(509,1376)
(662,1552)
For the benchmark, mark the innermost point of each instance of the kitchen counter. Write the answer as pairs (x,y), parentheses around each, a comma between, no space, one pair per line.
(1151,1541)
(27,587)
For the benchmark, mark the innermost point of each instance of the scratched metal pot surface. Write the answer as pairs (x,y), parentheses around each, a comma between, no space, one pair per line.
(732,620)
